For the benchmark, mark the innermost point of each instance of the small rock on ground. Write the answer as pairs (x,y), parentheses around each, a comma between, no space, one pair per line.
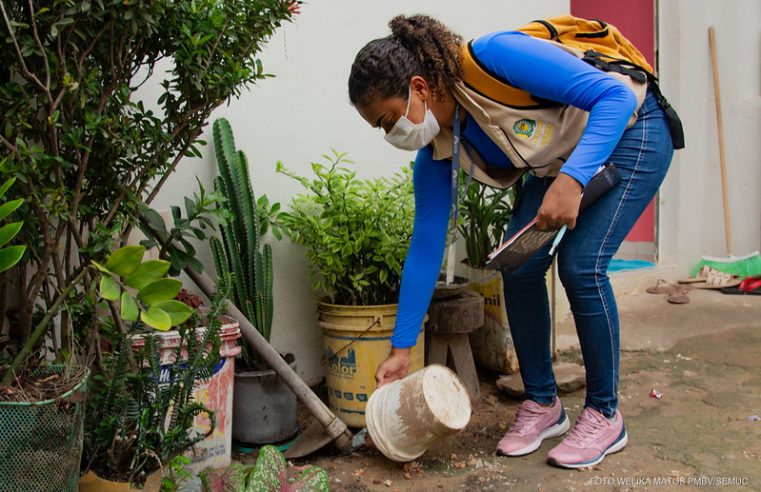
(569,378)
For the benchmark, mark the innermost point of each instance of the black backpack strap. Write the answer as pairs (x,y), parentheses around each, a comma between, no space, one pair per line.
(641,75)
(675,123)
(554,35)
(617,65)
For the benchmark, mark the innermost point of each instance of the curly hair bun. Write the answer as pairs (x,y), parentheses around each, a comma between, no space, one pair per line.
(435,46)
(418,45)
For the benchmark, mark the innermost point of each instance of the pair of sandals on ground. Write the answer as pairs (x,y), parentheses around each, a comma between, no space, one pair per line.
(592,438)
(707,278)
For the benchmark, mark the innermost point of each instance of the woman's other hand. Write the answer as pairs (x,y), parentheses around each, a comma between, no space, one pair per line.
(394,367)
(561,204)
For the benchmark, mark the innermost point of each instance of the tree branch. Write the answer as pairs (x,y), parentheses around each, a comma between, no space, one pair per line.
(12,148)
(173,165)
(36,35)
(41,329)
(24,70)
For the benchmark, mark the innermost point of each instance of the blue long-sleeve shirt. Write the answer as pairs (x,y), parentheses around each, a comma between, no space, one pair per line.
(545,71)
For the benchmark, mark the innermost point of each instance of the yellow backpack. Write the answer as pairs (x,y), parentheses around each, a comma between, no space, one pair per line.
(602,45)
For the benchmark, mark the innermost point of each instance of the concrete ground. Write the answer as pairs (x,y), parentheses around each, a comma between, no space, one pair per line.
(702,434)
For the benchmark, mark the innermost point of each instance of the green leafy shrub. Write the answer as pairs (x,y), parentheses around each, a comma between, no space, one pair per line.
(195,224)
(141,412)
(155,304)
(356,231)
(88,148)
(484,214)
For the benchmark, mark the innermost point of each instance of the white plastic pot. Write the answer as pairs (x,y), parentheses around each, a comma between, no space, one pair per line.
(406,417)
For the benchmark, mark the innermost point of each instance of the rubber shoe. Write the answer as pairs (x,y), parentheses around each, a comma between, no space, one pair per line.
(592,438)
(533,423)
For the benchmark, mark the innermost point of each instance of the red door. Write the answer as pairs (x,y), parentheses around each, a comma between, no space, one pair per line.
(636,20)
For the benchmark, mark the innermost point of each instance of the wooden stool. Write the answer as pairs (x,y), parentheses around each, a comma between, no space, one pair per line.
(449,322)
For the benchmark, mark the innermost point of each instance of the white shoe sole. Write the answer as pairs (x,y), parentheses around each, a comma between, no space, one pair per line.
(554,431)
(616,447)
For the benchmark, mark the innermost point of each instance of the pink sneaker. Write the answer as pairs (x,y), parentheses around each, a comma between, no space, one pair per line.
(533,423)
(593,436)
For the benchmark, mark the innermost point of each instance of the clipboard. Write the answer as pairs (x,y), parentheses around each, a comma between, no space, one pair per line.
(512,253)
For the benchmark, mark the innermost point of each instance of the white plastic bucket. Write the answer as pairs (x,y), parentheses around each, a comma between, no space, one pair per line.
(406,417)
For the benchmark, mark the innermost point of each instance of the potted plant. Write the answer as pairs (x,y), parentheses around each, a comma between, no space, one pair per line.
(143,407)
(88,150)
(264,407)
(356,234)
(41,417)
(269,473)
(484,213)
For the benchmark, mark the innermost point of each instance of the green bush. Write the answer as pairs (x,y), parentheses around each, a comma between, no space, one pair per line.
(356,231)
(141,410)
(484,214)
(88,148)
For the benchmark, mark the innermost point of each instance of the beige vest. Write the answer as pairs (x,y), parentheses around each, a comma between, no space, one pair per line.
(538,140)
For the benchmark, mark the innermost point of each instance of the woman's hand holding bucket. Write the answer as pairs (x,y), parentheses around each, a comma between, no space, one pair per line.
(394,367)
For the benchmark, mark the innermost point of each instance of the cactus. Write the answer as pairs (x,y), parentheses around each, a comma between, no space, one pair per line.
(240,251)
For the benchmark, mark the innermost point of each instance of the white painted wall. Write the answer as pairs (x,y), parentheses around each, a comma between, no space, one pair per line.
(305,111)
(691,220)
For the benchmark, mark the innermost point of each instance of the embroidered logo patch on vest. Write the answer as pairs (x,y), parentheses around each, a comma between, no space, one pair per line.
(524,128)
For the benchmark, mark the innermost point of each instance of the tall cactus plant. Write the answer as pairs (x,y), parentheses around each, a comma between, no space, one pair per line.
(241,251)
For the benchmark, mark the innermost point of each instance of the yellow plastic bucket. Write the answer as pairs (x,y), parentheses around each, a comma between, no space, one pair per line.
(90,482)
(356,339)
(492,343)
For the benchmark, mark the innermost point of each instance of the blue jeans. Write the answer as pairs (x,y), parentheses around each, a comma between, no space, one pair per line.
(642,156)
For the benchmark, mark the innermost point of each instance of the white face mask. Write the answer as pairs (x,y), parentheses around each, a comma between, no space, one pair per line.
(406,135)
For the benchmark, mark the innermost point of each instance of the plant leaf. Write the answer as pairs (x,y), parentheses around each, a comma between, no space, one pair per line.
(125,260)
(160,290)
(101,267)
(109,288)
(7,208)
(10,256)
(9,231)
(156,318)
(129,309)
(147,272)
(178,311)
(6,185)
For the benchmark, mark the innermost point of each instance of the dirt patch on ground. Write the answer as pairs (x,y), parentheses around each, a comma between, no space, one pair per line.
(700,435)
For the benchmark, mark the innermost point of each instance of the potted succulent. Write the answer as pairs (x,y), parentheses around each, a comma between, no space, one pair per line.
(264,407)
(356,234)
(142,407)
(484,214)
